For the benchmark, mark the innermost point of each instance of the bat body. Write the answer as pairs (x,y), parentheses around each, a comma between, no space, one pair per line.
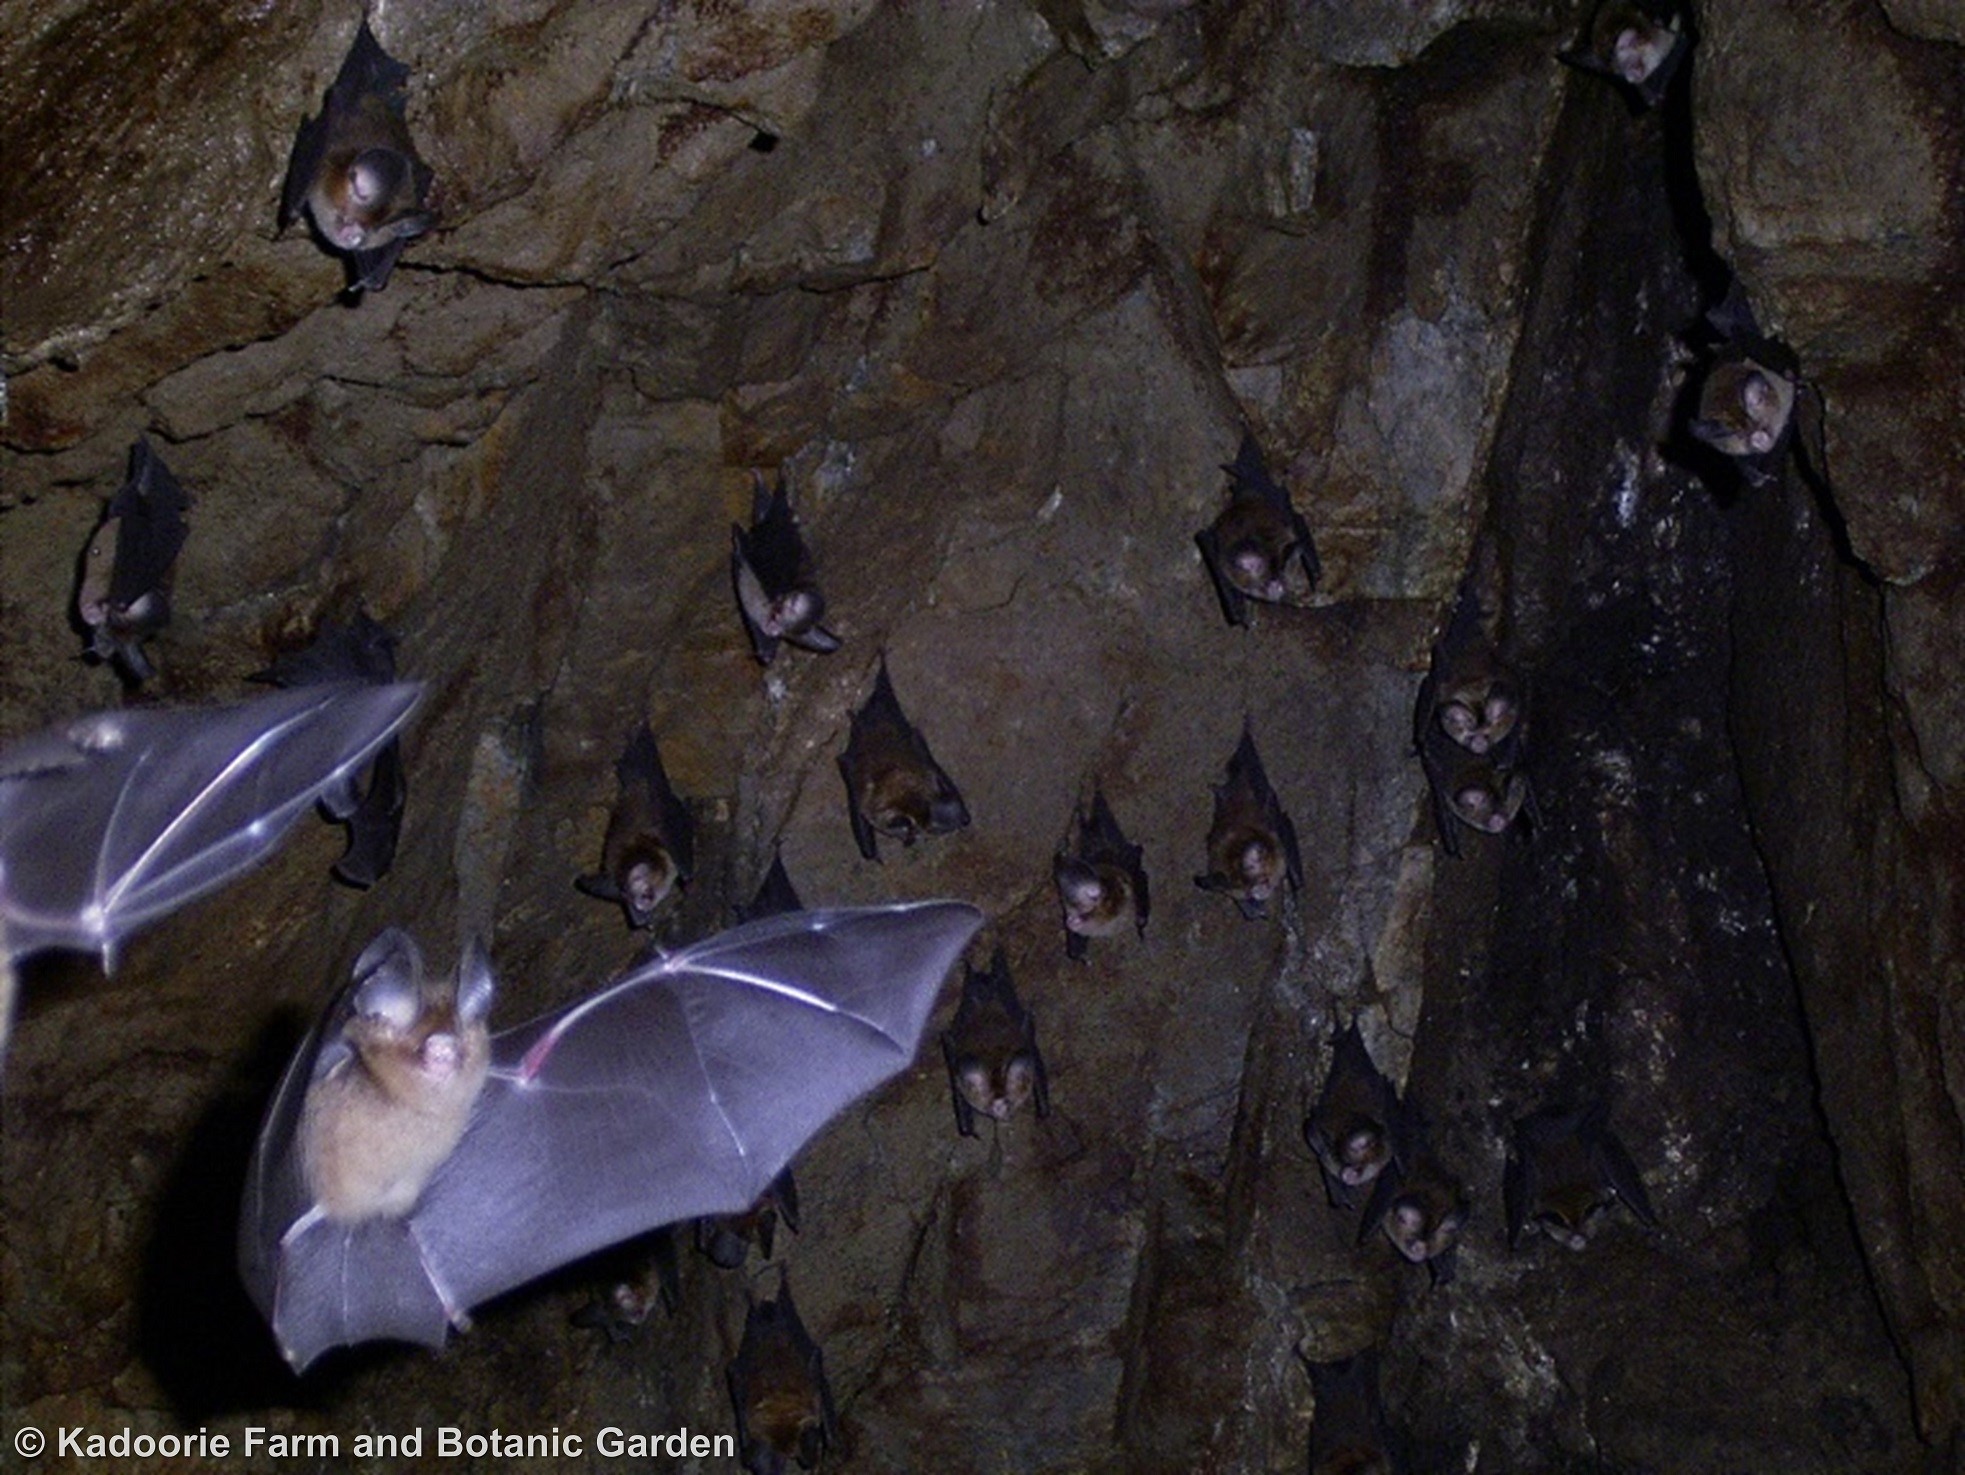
(1347,1433)
(646,1272)
(1102,884)
(354,169)
(1419,1204)
(1252,844)
(775,894)
(894,787)
(1747,398)
(728,1240)
(1638,43)
(1470,694)
(1259,547)
(777,583)
(360,650)
(991,1047)
(1351,1126)
(124,594)
(112,820)
(650,845)
(1566,1170)
(681,1090)
(778,1388)
(1478,794)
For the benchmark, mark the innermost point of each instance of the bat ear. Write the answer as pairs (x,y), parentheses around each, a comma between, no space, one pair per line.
(475,984)
(389,975)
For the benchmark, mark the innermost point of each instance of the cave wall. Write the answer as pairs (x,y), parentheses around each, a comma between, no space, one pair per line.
(998,285)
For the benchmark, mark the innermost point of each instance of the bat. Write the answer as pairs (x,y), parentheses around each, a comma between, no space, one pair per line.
(1420,1205)
(1102,884)
(1252,844)
(1470,694)
(123,596)
(355,171)
(1747,398)
(650,845)
(777,583)
(680,1090)
(991,1047)
(775,894)
(894,787)
(1259,547)
(1566,1170)
(1478,794)
(1352,1124)
(645,1273)
(111,820)
(728,1240)
(1639,43)
(778,1388)
(360,650)
(1347,1433)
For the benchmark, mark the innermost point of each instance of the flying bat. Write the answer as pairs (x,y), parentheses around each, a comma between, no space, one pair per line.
(650,845)
(1566,1170)
(777,583)
(111,820)
(355,171)
(1252,844)
(360,650)
(991,1048)
(894,786)
(1102,884)
(680,1090)
(1259,547)
(124,594)
(1639,43)
(1352,1125)
(778,1388)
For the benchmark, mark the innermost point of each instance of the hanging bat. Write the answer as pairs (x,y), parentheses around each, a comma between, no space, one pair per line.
(775,894)
(1252,844)
(650,845)
(991,1047)
(1747,398)
(894,787)
(777,583)
(360,650)
(1102,884)
(778,1388)
(641,1274)
(1347,1433)
(1639,43)
(1469,789)
(1470,694)
(355,171)
(1420,1205)
(680,1090)
(1259,547)
(1352,1125)
(728,1240)
(1566,1170)
(110,821)
(123,596)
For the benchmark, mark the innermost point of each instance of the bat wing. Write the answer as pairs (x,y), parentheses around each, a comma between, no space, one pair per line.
(369,270)
(162,806)
(303,165)
(150,529)
(1234,606)
(681,1090)
(376,823)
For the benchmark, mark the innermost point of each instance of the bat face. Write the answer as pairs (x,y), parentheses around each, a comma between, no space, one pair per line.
(1097,900)
(1481,715)
(1259,546)
(1744,408)
(395,1084)
(679,1091)
(1638,45)
(1424,1223)
(1639,50)
(894,787)
(1486,799)
(994,1067)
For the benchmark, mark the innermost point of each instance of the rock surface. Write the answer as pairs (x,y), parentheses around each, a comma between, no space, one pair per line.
(999,286)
